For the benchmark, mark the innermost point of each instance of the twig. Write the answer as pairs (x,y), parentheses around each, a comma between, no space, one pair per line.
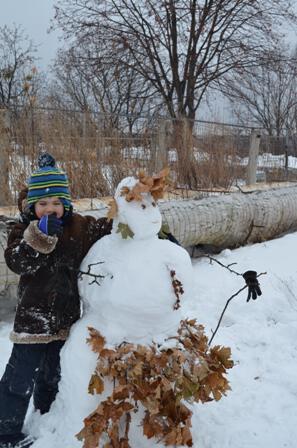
(128,421)
(226,306)
(223,265)
(89,273)
(245,192)
(223,312)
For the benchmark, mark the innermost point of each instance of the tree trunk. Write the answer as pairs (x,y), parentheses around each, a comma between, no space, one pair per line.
(234,220)
(160,153)
(225,221)
(183,137)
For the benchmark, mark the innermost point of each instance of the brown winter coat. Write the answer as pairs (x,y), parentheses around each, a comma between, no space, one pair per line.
(48,299)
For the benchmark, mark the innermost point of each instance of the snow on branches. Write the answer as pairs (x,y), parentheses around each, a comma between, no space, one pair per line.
(157,379)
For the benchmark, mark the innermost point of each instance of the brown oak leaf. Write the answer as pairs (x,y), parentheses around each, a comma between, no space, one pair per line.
(96,385)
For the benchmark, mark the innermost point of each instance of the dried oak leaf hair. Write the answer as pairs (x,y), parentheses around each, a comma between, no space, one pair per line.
(156,185)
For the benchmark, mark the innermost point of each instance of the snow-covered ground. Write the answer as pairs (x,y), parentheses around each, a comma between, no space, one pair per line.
(260,411)
(268,160)
(265,160)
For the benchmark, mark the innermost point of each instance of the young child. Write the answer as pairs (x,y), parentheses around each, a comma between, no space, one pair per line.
(45,249)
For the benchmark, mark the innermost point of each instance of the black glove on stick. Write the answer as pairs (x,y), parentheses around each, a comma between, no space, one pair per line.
(253,285)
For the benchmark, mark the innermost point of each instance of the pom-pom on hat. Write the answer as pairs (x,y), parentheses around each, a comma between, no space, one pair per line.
(48,181)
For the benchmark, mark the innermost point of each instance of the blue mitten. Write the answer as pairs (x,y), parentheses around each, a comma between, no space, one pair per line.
(50,225)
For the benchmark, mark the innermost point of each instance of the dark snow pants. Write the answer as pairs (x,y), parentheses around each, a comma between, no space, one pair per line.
(32,368)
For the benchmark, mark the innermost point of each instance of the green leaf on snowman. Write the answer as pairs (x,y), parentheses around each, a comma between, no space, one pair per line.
(125,231)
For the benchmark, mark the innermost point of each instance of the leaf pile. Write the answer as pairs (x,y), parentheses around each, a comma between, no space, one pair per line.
(156,185)
(161,380)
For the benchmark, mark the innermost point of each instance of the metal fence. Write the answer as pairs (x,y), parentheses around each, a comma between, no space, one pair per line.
(97,154)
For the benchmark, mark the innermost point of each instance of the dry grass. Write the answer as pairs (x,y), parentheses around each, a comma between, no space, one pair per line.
(208,161)
(218,167)
(96,159)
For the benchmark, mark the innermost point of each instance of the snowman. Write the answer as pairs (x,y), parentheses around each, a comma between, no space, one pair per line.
(128,294)
(136,300)
(133,286)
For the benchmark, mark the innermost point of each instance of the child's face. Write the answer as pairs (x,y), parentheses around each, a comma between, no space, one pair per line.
(47,206)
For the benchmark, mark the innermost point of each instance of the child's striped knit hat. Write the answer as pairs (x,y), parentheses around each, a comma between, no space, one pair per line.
(48,181)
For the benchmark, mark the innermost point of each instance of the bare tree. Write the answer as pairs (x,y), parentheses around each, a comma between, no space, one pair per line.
(119,94)
(70,82)
(266,94)
(17,71)
(17,87)
(179,47)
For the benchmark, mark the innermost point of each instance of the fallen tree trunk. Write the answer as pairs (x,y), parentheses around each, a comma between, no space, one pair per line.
(223,221)
(233,220)
(8,280)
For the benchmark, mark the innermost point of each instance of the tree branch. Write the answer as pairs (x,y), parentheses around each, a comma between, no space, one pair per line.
(96,277)
(227,304)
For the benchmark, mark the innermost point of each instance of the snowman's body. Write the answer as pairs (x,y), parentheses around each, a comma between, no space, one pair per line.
(134,302)
(136,299)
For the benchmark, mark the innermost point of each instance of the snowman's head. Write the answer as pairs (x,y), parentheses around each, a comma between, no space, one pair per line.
(142,215)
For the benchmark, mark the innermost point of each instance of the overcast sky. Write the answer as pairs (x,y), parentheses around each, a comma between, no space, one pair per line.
(34,16)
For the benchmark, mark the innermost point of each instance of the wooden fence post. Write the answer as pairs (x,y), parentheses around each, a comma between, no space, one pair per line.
(287,147)
(4,158)
(253,157)
(161,150)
